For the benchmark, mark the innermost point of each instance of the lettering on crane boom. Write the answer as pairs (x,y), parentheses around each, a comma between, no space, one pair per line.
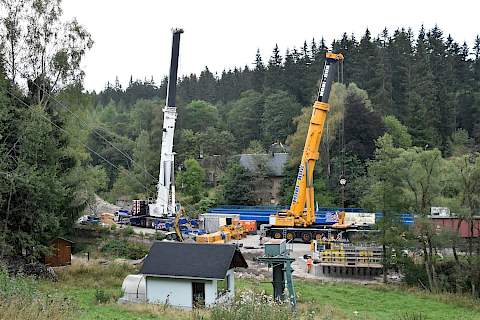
(324,80)
(297,187)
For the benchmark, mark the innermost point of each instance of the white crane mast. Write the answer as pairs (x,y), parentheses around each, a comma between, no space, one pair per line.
(165,202)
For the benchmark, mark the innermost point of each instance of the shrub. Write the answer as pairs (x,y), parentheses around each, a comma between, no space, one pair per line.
(415,274)
(124,249)
(101,296)
(127,231)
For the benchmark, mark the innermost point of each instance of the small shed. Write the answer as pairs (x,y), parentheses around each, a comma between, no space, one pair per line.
(190,274)
(60,253)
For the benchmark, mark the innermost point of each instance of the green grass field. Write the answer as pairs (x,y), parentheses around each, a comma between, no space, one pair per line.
(316,300)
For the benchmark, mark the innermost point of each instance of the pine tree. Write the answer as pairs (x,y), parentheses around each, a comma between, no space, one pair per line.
(258,78)
(382,80)
(274,70)
(400,54)
(207,86)
(422,116)
(444,80)
(367,64)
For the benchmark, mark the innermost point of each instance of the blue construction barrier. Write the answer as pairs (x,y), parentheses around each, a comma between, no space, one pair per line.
(325,216)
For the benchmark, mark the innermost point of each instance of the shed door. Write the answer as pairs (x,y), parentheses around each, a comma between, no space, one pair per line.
(198,294)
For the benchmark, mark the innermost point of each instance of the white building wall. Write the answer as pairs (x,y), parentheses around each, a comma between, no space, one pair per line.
(230,294)
(231,287)
(178,292)
(210,292)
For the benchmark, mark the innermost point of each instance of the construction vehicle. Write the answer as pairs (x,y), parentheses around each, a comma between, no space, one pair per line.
(148,213)
(299,220)
(165,202)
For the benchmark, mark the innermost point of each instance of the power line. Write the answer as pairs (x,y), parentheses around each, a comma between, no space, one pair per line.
(65,131)
(93,129)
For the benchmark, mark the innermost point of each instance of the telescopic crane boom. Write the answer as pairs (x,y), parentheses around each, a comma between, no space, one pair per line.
(302,208)
(165,202)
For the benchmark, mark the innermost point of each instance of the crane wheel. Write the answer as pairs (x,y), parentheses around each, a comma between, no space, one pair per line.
(290,236)
(277,235)
(306,237)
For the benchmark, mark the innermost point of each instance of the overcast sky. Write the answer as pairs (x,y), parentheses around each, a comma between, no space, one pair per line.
(134,37)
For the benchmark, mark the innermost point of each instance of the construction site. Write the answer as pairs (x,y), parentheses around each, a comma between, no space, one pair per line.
(281,243)
(335,179)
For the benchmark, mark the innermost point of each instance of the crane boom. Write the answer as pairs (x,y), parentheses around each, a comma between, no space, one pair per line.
(165,202)
(302,207)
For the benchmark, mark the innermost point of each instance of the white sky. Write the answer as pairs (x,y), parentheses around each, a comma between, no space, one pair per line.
(134,37)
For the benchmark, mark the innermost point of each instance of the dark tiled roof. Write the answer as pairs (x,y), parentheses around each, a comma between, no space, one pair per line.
(274,163)
(192,260)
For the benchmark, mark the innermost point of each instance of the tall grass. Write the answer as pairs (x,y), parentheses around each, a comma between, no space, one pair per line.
(252,305)
(91,274)
(20,299)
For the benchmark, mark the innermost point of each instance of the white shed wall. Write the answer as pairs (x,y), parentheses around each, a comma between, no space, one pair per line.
(178,292)
(210,292)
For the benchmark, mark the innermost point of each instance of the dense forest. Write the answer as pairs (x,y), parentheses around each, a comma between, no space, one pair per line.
(404,129)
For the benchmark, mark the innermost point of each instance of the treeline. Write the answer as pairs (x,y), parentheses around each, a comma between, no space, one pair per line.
(429,81)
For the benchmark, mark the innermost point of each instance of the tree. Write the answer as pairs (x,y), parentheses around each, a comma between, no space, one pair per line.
(362,125)
(274,69)
(460,143)
(466,178)
(200,115)
(398,132)
(43,49)
(423,179)
(255,147)
(191,181)
(258,73)
(236,185)
(244,117)
(400,54)
(423,117)
(279,110)
(206,86)
(385,194)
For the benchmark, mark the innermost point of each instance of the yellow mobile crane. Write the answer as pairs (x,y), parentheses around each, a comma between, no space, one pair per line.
(299,220)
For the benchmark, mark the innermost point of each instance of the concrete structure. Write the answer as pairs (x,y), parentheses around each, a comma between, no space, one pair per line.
(188,275)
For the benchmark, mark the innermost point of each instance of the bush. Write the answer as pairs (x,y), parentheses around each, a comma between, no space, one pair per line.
(101,296)
(252,305)
(415,274)
(127,231)
(124,249)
